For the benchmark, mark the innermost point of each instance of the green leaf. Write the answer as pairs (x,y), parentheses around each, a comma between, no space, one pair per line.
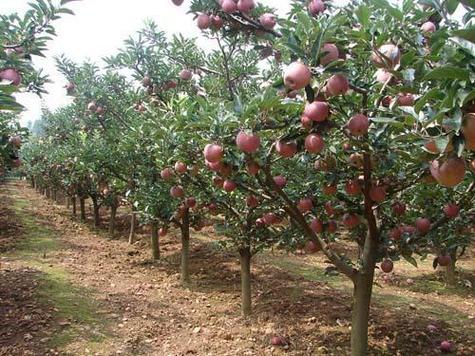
(410,259)
(362,12)
(467,34)
(385,5)
(448,72)
(431,94)
(451,5)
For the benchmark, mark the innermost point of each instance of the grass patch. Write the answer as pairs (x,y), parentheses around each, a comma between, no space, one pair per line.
(76,311)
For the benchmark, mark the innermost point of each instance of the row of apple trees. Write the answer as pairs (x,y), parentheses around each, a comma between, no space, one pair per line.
(331,126)
(21,38)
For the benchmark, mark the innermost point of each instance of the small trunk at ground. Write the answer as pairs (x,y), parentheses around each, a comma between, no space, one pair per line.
(450,277)
(55,195)
(133,223)
(48,193)
(73,201)
(185,248)
(82,205)
(33,185)
(112,220)
(245,259)
(68,202)
(97,215)
(362,291)
(155,242)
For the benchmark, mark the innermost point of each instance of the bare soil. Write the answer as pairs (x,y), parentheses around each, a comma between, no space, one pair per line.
(66,288)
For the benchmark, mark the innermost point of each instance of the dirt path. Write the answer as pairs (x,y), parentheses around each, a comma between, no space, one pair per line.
(67,289)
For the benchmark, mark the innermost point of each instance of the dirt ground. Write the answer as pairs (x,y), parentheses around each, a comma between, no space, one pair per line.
(67,289)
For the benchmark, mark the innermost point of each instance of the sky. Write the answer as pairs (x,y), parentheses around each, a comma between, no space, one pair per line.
(98,29)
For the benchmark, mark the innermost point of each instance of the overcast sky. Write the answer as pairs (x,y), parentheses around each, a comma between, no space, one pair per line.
(97,30)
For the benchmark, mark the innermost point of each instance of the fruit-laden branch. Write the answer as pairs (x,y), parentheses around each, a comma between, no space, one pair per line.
(462,201)
(341,264)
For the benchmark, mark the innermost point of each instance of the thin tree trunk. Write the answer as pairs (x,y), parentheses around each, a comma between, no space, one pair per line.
(73,201)
(82,205)
(48,193)
(155,242)
(97,215)
(363,281)
(112,220)
(185,248)
(133,222)
(55,195)
(363,288)
(68,202)
(450,277)
(245,259)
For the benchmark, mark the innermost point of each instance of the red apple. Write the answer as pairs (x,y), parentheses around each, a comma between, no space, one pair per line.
(337,85)
(213,152)
(229,6)
(252,201)
(423,225)
(395,233)
(446,346)
(329,52)
(297,76)
(280,181)
(316,7)
(451,210)
(203,21)
(180,167)
(278,341)
(268,21)
(286,149)
(248,143)
(450,173)
(190,202)
(383,76)
(218,182)
(317,111)
(163,231)
(317,226)
(166,174)
(216,22)
(444,260)
(358,125)
(387,55)
(10,75)
(330,189)
(314,143)
(306,122)
(312,247)
(186,74)
(305,205)
(246,6)
(177,191)
(387,266)
(332,226)
(329,209)
(92,106)
(253,168)
(229,185)
(405,99)
(399,208)
(351,220)
(428,27)
(377,193)
(352,187)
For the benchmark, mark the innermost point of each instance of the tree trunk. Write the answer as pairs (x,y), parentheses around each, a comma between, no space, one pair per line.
(363,288)
(450,277)
(185,248)
(133,223)
(82,205)
(155,242)
(73,201)
(112,220)
(245,259)
(55,195)
(48,193)
(97,215)
(68,202)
